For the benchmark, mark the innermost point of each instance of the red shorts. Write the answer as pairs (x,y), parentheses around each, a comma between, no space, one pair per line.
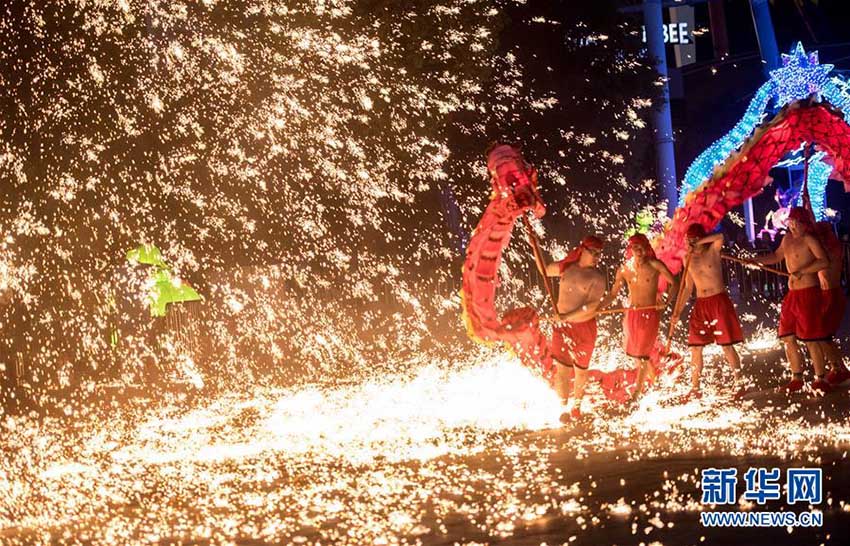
(833,312)
(713,320)
(641,332)
(573,343)
(801,314)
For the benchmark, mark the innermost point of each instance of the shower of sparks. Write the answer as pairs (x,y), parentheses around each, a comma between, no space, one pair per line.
(305,138)
(287,158)
(296,133)
(381,462)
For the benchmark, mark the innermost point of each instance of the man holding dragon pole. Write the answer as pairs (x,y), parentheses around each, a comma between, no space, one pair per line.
(580,293)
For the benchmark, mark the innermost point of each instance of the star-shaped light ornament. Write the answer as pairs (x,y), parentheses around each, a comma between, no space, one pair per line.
(801,75)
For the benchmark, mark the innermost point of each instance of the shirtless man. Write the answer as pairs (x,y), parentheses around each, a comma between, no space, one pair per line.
(834,302)
(640,272)
(803,304)
(713,318)
(580,292)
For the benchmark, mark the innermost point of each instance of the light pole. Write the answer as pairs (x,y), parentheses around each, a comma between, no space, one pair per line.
(770,61)
(663,126)
(766,37)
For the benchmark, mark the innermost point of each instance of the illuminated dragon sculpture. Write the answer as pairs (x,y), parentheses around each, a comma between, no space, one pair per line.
(814,109)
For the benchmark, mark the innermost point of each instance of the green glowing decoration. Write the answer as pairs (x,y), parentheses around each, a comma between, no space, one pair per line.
(166,289)
(644,219)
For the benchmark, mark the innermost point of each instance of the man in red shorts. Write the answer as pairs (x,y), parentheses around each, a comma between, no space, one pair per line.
(834,300)
(640,272)
(580,292)
(800,317)
(713,318)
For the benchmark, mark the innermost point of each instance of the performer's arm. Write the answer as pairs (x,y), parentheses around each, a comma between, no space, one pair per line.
(820,262)
(672,284)
(715,239)
(553,269)
(774,257)
(615,290)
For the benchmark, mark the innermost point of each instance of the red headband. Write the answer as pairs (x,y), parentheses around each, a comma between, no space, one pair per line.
(588,243)
(639,239)
(592,243)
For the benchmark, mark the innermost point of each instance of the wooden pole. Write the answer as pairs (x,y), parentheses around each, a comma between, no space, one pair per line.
(755,264)
(807,155)
(626,309)
(678,304)
(541,264)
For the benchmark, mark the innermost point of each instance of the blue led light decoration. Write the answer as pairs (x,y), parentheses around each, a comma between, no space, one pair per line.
(837,93)
(818,177)
(801,75)
(702,167)
(819,172)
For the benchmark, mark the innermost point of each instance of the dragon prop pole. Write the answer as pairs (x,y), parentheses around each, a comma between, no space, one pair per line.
(541,265)
(618,310)
(627,309)
(807,156)
(677,305)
